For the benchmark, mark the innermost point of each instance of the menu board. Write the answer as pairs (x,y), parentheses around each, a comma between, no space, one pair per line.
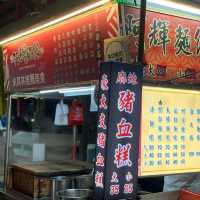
(170,131)
(65,53)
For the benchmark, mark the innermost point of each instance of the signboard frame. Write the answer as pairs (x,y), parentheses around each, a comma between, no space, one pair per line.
(181,98)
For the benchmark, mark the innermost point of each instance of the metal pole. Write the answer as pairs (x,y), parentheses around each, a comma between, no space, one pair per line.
(74,134)
(74,147)
(54,189)
(8,141)
(142,32)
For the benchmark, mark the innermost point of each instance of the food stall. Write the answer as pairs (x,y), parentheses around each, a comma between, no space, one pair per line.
(60,65)
(169,143)
(50,79)
(171,69)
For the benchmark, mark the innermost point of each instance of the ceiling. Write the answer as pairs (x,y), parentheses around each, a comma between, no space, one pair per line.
(12,10)
(17,15)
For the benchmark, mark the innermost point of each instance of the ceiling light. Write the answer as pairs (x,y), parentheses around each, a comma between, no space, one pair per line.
(78,91)
(48,91)
(176,6)
(72,91)
(171,90)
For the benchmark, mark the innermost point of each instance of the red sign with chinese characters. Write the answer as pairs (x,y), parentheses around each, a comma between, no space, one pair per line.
(67,52)
(172,45)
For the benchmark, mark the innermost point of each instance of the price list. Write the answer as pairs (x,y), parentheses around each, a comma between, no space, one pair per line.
(76,53)
(170,140)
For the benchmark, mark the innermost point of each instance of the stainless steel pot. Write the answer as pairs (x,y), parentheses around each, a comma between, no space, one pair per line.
(63,184)
(84,182)
(75,194)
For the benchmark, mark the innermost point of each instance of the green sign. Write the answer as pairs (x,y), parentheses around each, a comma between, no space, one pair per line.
(127,2)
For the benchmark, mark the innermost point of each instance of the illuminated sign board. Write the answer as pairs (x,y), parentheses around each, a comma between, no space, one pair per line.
(66,53)
(170,131)
(166,56)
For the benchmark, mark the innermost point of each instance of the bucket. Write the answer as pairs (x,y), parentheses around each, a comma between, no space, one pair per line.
(75,194)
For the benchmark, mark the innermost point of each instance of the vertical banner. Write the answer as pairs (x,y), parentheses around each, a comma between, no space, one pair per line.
(102,128)
(122,130)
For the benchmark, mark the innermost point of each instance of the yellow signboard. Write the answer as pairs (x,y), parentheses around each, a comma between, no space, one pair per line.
(170,133)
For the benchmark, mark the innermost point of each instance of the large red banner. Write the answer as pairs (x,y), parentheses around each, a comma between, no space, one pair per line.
(66,53)
(172,45)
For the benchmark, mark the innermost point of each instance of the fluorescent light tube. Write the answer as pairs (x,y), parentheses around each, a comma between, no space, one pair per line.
(73,91)
(48,91)
(78,91)
(176,6)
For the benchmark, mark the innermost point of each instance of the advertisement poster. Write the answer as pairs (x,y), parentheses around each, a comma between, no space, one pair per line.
(170,131)
(120,161)
(64,53)
(120,49)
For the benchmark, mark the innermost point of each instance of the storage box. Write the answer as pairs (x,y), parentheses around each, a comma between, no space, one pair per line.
(34,178)
(188,195)
(179,195)
(34,186)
